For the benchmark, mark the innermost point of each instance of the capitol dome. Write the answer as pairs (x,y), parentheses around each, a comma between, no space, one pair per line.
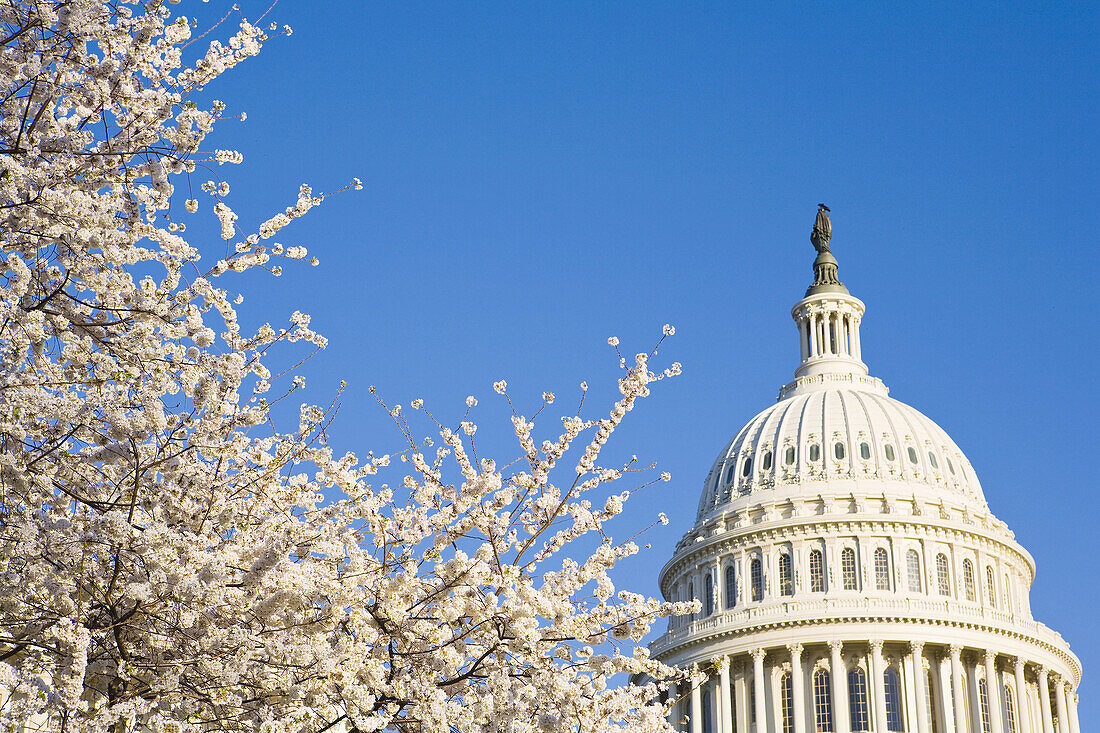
(850,574)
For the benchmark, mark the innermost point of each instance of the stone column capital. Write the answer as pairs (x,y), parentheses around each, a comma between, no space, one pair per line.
(955,650)
(876,646)
(758,654)
(795,649)
(916,647)
(990,657)
(836,646)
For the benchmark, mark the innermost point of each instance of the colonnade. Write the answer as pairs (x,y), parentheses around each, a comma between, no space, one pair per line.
(910,687)
(829,332)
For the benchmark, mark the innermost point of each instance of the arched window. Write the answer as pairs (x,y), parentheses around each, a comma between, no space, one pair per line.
(990,585)
(848,568)
(889,450)
(930,696)
(950,465)
(767,462)
(912,569)
(817,571)
(786,700)
(968,579)
(943,575)
(730,471)
(882,569)
(983,699)
(756,573)
(932,459)
(786,575)
(1010,710)
(815,452)
(708,712)
(788,457)
(731,588)
(823,702)
(864,450)
(892,683)
(746,469)
(857,699)
(838,451)
(708,591)
(912,455)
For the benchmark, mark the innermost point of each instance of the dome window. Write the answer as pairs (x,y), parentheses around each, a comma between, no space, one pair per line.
(815,452)
(943,577)
(864,450)
(789,457)
(786,575)
(912,455)
(882,570)
(767,464)
(932,459)
(729,473)
(747,468)
(838,450)
(950,465)
(848,568)
(889,452)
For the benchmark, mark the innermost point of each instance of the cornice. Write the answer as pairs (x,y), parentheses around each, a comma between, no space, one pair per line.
(827,625)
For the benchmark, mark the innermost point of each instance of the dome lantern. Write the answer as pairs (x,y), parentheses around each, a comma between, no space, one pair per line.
(828,319)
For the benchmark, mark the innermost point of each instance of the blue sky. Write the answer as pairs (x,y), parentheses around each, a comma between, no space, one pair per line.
(539,177)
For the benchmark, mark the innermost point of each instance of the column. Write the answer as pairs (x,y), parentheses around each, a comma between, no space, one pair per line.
(719,584)
(993,690)
(696,701)
(741,699)
(1022,718)
(916,657)
(857,351)
(725,720)
(1060,703)
(1044,699)
(798,692)
(1071,703)
(957,687)
(975,694)
(839,674)
(946,711)
(878,685)
(758,688)
(812,325)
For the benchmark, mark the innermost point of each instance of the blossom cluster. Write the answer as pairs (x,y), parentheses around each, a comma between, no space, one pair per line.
(169,561)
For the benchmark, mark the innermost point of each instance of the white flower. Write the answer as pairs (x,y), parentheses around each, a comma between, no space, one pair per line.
(613,341)
(668,330)
(500,386)
(471,401)
(548,397)
(417,403)
(663,518)
(192,205)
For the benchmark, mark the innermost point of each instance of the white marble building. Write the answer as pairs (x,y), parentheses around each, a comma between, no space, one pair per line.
(851,574)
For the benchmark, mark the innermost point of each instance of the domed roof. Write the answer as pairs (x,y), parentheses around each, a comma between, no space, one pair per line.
(835,422)
(839,433)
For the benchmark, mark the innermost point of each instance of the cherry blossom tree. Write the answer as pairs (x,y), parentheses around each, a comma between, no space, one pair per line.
(169,560)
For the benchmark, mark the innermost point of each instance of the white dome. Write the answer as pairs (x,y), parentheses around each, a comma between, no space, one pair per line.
(854,434)
(849,573)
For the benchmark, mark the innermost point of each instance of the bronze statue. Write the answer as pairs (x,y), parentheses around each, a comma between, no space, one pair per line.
(823,229)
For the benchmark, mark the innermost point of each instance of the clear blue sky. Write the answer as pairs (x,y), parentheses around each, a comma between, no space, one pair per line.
(540,177)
